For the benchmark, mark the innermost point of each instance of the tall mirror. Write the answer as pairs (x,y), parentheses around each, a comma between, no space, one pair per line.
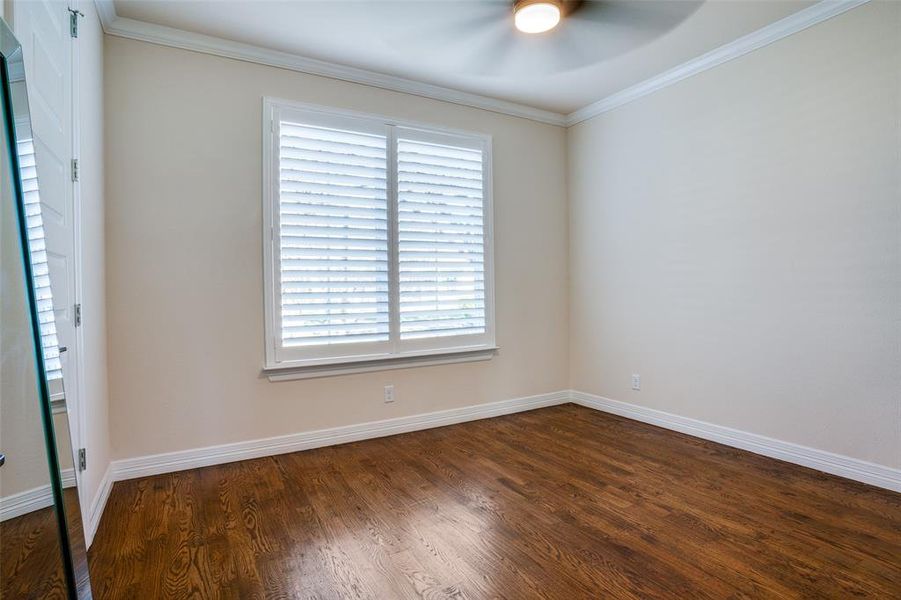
(42,549)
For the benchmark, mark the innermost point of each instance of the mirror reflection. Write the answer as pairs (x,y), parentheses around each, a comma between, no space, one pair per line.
(42,549)
(30,550)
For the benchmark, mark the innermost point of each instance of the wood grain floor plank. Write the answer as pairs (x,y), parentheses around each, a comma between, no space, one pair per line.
(557,503)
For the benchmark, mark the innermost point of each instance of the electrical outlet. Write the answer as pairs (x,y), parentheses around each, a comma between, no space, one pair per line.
(389,394)
(636,382)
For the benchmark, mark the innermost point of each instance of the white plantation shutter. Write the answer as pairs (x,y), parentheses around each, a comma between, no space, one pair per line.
(378,242)
(333,229)
(39,266)
(440,239)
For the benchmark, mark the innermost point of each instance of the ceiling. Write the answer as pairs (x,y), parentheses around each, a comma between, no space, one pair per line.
(472,46)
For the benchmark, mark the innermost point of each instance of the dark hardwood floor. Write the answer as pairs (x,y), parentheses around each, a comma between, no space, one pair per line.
(30,554)
(30,557)
(562,502)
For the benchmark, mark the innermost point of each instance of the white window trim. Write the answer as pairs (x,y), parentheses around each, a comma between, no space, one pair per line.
(405,355)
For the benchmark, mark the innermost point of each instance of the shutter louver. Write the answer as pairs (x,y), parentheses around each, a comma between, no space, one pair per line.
(333,236)
(39,266)
(441,261)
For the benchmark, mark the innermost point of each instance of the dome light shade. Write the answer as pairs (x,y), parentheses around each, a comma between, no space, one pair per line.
(536,16)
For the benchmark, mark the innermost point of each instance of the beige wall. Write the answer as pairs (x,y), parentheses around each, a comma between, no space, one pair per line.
(736,240)
(184,257)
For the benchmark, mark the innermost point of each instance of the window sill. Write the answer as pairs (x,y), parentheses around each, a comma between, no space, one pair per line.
(288,372)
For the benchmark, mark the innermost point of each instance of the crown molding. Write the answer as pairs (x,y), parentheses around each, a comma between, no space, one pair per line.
(106,10)
(177,38)
(825,9)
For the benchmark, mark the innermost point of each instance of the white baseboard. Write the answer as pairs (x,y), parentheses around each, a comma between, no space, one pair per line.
(157,464)
(21,503)
(213,455)
(835,464)
(98,504)
(16,505)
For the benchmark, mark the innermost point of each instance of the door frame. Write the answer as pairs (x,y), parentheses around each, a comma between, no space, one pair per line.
(80,415)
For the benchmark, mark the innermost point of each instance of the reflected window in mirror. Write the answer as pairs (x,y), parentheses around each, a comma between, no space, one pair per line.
(42,547)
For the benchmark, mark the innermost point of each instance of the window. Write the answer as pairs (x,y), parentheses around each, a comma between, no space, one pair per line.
(40,268)
(378,242)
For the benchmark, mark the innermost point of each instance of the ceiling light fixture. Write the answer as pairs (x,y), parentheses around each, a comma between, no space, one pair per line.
(536,16)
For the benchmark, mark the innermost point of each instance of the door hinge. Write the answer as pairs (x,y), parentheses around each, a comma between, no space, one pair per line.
(78,315)
(73,21)
(82,459)
(74,169)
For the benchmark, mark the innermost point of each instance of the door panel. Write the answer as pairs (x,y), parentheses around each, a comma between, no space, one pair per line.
(42,27)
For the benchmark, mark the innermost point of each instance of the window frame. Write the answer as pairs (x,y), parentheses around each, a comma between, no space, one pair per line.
(316,361)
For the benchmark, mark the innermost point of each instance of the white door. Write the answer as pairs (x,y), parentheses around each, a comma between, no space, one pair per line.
(42,27)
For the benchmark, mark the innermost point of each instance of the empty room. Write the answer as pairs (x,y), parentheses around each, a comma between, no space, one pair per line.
(450,299)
